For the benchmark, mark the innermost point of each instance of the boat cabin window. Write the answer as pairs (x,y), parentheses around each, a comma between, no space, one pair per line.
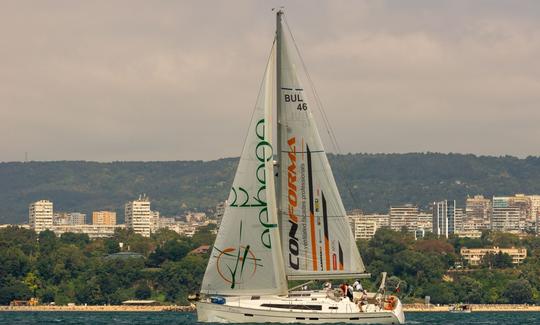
(292,306)
(299,294)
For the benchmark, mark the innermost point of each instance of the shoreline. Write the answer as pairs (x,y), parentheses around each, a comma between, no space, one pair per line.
(422,308)
(106,308)
(408,308)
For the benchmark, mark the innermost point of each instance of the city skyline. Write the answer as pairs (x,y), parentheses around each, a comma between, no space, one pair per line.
(518,214)
(95,81)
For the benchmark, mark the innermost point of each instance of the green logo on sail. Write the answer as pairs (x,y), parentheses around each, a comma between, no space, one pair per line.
(241,197)
(234,262)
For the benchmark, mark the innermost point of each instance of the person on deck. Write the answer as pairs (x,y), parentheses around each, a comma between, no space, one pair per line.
(344,289)
(363,300)
(358,286)
(327,286)
(350,292)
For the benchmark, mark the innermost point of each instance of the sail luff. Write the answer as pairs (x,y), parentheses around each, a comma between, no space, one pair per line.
(277,144)
(277,256)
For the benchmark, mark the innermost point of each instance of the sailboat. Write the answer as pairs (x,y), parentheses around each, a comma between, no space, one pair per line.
(284,220)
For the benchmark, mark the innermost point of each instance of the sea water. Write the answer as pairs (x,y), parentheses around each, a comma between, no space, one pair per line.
(170,318)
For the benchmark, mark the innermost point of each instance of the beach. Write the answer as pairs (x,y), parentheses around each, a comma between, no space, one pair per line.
(105,308)
(422,308)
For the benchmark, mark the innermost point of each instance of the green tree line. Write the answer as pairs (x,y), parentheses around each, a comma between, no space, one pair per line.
(73,268)
(427,267)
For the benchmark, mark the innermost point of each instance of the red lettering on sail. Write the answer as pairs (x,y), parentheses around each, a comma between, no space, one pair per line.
(293,203)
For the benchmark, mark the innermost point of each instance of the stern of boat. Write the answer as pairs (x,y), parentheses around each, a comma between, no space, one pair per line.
(398,312)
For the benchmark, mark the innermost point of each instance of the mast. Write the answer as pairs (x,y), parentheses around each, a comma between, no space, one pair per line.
(279,15)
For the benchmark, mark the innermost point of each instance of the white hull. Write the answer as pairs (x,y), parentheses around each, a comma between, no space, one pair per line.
(245,310)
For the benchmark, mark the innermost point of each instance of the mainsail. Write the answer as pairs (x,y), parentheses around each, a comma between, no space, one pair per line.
(316,237)
(246,258)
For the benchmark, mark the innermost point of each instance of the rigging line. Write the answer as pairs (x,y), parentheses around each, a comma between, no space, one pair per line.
(258,97)
(329,130)
(329,217)
(317,98)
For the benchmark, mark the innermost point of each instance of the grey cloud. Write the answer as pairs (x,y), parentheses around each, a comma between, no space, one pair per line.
(162,80)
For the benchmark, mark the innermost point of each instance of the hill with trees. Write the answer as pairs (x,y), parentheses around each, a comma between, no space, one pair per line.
(371,182)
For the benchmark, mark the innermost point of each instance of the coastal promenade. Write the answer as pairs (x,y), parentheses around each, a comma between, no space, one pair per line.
(409,308)
(106,308)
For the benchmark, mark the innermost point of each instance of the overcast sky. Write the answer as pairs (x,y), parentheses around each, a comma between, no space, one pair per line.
(168,80)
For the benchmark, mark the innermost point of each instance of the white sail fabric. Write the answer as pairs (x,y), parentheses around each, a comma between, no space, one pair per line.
(316,236)
(246,258)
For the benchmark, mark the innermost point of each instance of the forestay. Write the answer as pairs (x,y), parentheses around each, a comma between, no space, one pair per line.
(316,236)
(246,258)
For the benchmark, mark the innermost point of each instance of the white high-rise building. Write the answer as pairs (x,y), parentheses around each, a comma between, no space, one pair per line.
(477,214)
(77,218)
(139,217)
(220,209)
(535,210)
(535,206)
(444,218)
(60,219)
(40,215)
(154,221)
(459,217)
(365,226)
(505,217)
(69,218)
(405,216)
(425,221)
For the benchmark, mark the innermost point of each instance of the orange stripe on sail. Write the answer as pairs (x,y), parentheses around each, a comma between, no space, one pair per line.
(327,252)
(340,252)
(313,241)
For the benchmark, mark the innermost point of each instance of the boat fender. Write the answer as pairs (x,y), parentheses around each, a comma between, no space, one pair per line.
(218,300)
(390,303)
